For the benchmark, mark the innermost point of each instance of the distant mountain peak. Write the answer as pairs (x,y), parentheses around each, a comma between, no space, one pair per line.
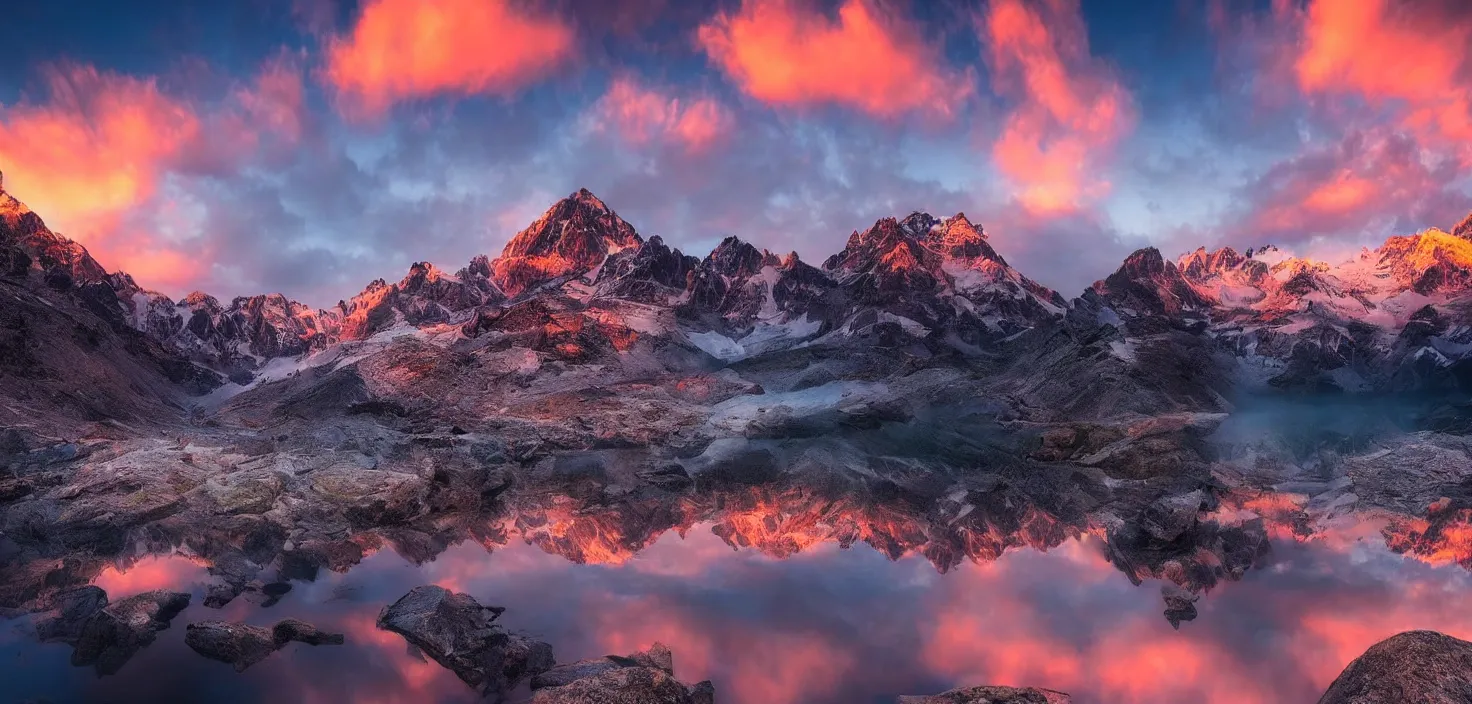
(1464,228)
(1201,263)
(737,258)
(10,207)
(1429,261)
(918,224)
(957,238)
(573,237)
(1147,283)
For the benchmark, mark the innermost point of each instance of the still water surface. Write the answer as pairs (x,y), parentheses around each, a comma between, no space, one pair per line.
(823,624)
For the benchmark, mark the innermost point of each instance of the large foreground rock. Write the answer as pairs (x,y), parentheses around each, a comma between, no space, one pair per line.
(115,633)
(646,677)
(1417,666)
(991,695)
(459,634)
(244,645)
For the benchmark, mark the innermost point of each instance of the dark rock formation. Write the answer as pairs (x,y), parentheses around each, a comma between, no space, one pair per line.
(646,677)
(244,645)
(1417,666)
(1146,283)
(657,656)
(460,634)
(114,634)
(1180,605)
(1170,517)
(991,695)
(238,644)
(650,273)
(74,609)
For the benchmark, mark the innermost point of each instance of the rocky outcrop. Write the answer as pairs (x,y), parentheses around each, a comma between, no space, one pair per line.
(649,273)
(991,695)
(112,635)
(1416,666)
(459,633)
(75,607)
(647,677)
(27,244)
(1429,262)
(243,645)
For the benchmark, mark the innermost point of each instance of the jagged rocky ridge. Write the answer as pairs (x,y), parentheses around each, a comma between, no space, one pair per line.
(1393,319)
(914,392)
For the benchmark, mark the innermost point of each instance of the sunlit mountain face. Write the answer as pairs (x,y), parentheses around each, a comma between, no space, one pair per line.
(753,351)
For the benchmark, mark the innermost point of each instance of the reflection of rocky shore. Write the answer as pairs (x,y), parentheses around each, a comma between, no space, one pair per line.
(259,521)
(257,527)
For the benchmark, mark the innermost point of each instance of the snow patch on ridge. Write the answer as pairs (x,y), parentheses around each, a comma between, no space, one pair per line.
(763,338)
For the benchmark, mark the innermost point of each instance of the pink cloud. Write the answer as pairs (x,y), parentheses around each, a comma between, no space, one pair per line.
(1414,56)
(402,50)
(276,100)
(94,156)
(641,115)
(1069,109)
(789,53)
(1350,187)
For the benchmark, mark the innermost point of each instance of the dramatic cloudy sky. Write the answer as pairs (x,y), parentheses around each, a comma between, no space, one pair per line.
(307,146)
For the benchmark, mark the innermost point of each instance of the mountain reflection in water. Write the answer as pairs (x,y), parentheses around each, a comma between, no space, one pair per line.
(781,597)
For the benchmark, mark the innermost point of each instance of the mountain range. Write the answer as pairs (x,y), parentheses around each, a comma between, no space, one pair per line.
(580,284)
(591,388)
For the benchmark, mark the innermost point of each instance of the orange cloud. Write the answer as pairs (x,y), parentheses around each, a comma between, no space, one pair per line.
(406,49)
(94,157)
(1070,110)
(91,154)
(1345,193)
(96,148)
(785,53)
(642,115)
(1388,51)
(1345,188)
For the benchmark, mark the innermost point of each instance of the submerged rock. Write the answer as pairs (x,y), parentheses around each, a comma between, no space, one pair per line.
(74,608)
(235,643)
(646,677)
(1180,605)
(459,634)
(114,634)
(991,695)
(1417,666)
(658,656)
(244,645)
(287,630)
